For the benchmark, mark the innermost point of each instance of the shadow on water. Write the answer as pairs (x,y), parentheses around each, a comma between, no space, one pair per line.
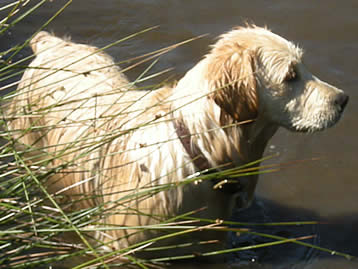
(339,234)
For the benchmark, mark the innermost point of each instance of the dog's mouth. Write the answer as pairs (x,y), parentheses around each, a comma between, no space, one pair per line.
(318,123)
(320,120)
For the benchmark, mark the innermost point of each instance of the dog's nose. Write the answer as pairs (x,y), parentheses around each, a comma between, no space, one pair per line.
(341,101)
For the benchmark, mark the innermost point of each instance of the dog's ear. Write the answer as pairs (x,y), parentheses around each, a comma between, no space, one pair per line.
(231,70)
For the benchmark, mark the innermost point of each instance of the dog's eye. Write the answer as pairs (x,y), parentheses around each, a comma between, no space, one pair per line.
(291,75)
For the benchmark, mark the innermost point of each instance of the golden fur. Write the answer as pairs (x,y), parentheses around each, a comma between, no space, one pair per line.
(110,139)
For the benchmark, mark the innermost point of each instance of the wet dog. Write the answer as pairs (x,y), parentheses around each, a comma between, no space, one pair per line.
(114,147)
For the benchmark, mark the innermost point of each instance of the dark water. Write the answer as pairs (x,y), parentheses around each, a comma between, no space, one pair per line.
(324,189)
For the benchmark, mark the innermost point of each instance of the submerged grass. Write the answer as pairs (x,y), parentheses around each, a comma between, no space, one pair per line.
(32,220)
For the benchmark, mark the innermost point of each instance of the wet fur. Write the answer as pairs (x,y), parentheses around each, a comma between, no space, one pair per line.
(78,93)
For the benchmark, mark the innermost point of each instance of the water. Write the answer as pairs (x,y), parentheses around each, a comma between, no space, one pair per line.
(324,189)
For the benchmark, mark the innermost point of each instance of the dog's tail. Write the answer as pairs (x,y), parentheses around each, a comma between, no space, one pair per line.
(44,40)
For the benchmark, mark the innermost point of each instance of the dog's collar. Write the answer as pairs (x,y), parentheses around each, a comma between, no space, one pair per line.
(199,160)
(192,149)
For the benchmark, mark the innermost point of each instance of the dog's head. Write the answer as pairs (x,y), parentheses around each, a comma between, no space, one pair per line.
(260,74)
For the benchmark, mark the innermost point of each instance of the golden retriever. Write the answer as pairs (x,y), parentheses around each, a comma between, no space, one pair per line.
(111,145)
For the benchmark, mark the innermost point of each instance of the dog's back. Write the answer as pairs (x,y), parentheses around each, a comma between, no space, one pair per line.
(65,102)
(59,86)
